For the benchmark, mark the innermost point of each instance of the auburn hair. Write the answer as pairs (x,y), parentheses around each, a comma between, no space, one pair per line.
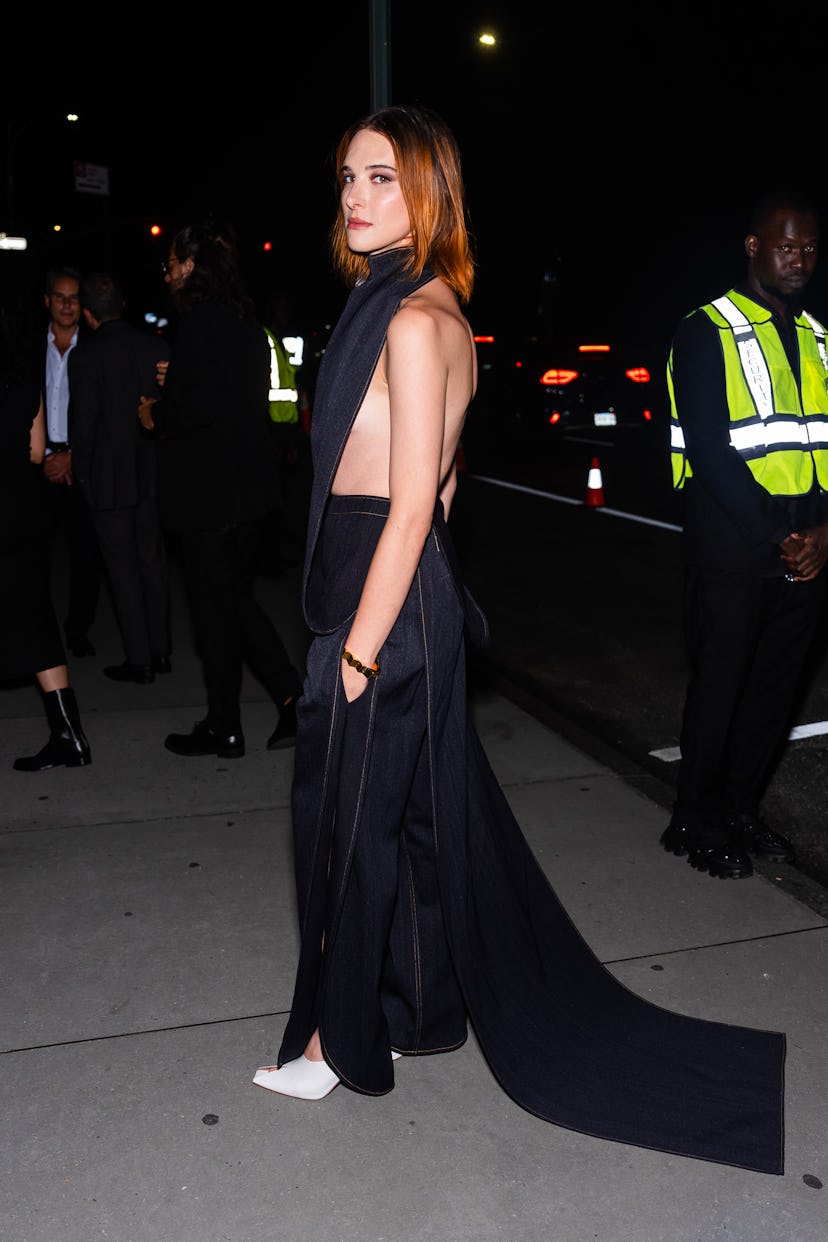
(427,160)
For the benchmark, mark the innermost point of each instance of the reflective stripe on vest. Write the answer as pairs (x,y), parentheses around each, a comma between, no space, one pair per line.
(757,375)
(288,412)
(277,393)
(819,333)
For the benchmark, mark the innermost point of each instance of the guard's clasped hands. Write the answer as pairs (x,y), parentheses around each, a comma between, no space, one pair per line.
(805,553)
(145,412)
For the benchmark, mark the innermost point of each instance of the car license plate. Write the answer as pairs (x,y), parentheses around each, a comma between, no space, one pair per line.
(605,418)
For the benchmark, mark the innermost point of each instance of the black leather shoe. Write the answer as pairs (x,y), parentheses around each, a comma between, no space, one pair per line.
(726,862)
(203,741)
(674,839)
(721,859)
(142,674)
(79,645)
(753,835)
(161,664)
(284,734)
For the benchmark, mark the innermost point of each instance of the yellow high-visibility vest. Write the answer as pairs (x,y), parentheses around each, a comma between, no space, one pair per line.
(778,427)
(284,395)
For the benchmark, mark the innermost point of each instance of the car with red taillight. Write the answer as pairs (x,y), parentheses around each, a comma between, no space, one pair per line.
(537,389)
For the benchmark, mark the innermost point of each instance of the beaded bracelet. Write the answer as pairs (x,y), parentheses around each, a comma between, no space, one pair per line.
(368,671)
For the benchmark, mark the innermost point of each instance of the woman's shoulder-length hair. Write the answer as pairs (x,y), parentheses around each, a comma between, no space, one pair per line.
(428,165)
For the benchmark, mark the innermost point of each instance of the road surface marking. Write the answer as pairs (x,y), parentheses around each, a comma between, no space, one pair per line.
(672,754)
(567,500)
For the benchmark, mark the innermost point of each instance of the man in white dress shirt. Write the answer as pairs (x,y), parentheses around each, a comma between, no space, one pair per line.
(69,507)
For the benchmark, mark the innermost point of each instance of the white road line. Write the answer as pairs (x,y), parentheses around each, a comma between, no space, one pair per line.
(601,444)
(531,491)
(672,754)
(567,500)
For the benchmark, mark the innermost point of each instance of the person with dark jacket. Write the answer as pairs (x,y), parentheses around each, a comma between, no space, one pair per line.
(114,463)
(747,379)
(217,482)
(30,638)
(73,531)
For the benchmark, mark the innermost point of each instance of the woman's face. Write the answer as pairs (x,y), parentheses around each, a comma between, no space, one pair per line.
(373,207)
(176,272)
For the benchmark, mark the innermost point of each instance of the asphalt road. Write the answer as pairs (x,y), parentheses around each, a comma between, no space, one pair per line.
(584,607)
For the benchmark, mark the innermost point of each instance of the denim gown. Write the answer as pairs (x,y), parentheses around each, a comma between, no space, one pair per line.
(421,905)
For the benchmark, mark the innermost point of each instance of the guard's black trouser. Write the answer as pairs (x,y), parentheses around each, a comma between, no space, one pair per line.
(748,642)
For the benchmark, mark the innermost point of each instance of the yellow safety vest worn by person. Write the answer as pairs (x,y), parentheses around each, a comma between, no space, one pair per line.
(779,429)
(284,395)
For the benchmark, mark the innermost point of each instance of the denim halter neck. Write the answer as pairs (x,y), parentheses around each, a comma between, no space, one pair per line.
(348,364)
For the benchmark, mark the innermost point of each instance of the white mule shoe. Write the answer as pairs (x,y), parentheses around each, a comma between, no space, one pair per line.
(302,1079)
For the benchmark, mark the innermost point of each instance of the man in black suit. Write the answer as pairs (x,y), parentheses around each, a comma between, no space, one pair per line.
(114,463)
(218,480)
(747,379)
(69,510)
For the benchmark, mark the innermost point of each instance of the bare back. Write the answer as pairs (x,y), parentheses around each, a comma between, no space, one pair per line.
(427,392)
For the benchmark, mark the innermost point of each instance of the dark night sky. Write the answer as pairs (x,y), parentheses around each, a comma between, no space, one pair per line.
(617,151)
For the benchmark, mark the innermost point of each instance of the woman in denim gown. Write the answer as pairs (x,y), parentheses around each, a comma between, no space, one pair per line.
(421,905)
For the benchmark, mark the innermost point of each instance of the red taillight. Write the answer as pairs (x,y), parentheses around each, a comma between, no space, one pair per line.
(593,349)
(554,417)
(638,375)
(558,376)
(484,340)
(648,416)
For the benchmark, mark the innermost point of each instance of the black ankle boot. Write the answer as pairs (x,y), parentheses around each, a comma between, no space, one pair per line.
(67,745)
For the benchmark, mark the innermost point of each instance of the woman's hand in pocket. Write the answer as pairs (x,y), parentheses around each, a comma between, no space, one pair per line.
(353,683)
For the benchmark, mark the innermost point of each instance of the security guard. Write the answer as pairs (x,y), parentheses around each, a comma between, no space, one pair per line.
(749,441)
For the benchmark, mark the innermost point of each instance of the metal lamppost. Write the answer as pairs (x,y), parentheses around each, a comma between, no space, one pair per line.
(380,54)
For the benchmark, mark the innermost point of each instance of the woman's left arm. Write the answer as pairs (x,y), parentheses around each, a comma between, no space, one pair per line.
(417,374)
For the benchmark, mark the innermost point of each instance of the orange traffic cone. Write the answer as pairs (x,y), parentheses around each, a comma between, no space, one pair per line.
(595,485)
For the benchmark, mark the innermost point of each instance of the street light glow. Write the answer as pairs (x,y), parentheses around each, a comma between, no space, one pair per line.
(72,116)
(487,39)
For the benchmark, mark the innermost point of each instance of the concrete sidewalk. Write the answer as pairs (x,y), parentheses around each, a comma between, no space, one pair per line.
(149,944)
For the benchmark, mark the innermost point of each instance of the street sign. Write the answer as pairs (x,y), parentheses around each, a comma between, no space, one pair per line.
(91,178)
